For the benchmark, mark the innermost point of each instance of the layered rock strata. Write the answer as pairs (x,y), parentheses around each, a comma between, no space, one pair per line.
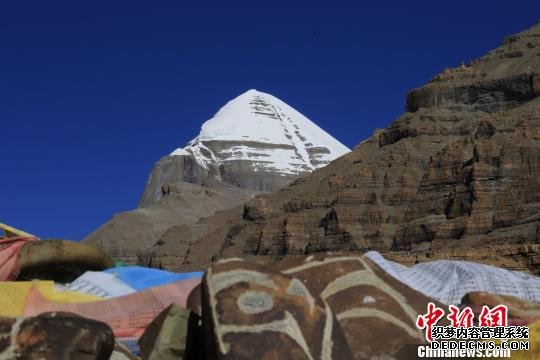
(456,176)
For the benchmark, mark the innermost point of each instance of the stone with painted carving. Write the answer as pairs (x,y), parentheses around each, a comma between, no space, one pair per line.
(53,336)
(376,312)
(252,312)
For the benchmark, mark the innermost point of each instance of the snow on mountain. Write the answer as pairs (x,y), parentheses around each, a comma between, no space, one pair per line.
(265,132)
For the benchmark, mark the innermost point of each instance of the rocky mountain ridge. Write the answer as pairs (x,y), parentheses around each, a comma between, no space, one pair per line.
(456,176)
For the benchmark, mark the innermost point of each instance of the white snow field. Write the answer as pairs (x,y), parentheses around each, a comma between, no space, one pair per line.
(264,130)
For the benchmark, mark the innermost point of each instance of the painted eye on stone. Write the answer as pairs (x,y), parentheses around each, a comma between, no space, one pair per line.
(254,302)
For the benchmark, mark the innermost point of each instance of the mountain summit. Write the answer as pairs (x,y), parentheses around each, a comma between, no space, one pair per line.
(265,131)
(255,142)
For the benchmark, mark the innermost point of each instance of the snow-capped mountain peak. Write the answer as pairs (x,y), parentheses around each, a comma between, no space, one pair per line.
(265,132)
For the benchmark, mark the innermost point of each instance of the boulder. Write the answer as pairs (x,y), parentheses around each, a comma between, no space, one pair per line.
(165,337)
(326,305)
(59,260)
(253,312)
(55,336)
(376,312)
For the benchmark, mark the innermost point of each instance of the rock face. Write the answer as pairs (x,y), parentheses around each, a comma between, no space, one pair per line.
(55,336)
(457,176)
(323,306)
(255,141)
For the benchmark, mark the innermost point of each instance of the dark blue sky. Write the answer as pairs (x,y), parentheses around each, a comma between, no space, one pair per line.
(92,93)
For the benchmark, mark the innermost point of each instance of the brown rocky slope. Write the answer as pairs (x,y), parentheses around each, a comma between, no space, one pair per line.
(129,234)
(456,176)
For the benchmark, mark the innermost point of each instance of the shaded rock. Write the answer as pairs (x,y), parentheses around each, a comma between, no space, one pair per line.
(59,260)
(167,252)
(165,337)
(251,312)
(195,346)
(254,209)
(392,136)
(490,96)
(148,235)
(194,300)
(168,170)
(55,336)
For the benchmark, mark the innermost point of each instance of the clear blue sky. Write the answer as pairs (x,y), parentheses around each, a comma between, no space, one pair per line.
(92,93)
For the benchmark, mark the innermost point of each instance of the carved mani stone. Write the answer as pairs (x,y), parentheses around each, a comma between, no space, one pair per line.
(249,312)
(376,312)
